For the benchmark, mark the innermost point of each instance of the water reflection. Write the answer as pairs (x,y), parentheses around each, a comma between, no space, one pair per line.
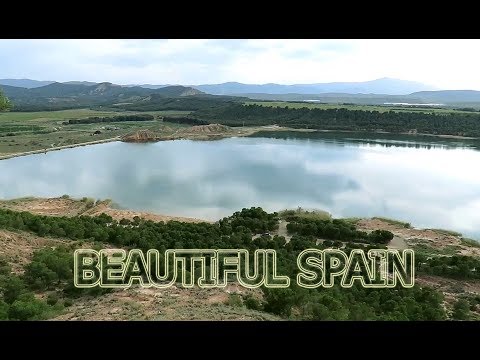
(429,186)
(381,139)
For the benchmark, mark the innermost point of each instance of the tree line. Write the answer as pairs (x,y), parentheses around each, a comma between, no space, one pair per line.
(108,119)
(464,124)
(336,229)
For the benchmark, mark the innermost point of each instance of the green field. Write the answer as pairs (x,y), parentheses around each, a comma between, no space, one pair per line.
(379,108)
(27,131)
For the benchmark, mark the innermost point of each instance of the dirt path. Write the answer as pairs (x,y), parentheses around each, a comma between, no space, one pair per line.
(282,230)
(398,243)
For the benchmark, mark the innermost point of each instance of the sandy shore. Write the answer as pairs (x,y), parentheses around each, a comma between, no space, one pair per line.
(66,206)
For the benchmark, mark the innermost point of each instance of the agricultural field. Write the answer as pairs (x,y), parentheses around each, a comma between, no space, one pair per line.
(29,131)
(379,108)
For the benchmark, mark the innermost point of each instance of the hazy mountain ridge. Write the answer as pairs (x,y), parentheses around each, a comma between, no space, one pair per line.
(379,86)
(386,86)
(24,83)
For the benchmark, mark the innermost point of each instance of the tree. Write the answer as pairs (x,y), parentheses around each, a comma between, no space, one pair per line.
(4,310)
(27,308)
(461,310)
(5,268)
(5,104)
(11,286)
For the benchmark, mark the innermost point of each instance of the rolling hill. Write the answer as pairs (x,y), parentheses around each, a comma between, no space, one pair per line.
(61,95)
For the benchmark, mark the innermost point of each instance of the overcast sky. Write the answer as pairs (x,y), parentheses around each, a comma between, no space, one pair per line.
(445,64)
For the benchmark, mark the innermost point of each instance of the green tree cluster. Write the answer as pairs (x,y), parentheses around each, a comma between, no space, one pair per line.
(5,104)
(236,114)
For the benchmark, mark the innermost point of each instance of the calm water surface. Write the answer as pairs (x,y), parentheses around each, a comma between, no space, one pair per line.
(428,182)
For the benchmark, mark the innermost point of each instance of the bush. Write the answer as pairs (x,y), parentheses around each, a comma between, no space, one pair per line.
(4,307)
(27,308)
(48,267)
(52,298)
(11,286)
(235,300)
(380,236)
(67,302)
(5,268)
(461,310)
(328,243)
(252,303)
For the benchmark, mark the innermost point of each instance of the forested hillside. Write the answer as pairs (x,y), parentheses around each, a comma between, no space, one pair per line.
(52,269)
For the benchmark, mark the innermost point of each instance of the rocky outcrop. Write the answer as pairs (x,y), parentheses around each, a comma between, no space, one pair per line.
(141,136)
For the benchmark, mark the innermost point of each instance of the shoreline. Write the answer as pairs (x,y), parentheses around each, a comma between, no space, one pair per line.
(56,148)
(70,206)
(246,132)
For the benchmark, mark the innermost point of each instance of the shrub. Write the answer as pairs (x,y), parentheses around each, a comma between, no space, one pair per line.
(235,300)
(52,298)
(252,303)
(27,308)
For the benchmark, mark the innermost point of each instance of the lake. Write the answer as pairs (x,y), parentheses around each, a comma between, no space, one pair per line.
(426,181)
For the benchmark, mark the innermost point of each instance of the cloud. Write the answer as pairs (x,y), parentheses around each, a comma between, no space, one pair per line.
(449,64)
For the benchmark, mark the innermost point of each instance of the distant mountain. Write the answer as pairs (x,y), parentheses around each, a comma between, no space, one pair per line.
(449,96)
(150,86)
(24,83)
(87,83)
(385,86)
(338,98)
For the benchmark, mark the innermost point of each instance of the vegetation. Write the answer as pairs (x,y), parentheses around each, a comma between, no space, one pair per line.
(456,266)
(184,120)
(4,102)
(447,232)
(301,213)
(470,242)
(394,222)
(359,106)
(465,124)
(120,118)
(190,103)
(461,310)
(51,269)
(336,229)
(58,96)
(21,131)
(425,249)
(18,302)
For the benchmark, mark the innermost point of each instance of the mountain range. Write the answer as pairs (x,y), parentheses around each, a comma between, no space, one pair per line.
(380,86)
(35,93)
(385,86)
(56,96)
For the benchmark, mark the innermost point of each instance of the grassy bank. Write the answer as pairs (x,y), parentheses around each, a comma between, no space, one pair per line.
(22,132)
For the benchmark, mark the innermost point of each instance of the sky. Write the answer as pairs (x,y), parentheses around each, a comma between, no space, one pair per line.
(443,64)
